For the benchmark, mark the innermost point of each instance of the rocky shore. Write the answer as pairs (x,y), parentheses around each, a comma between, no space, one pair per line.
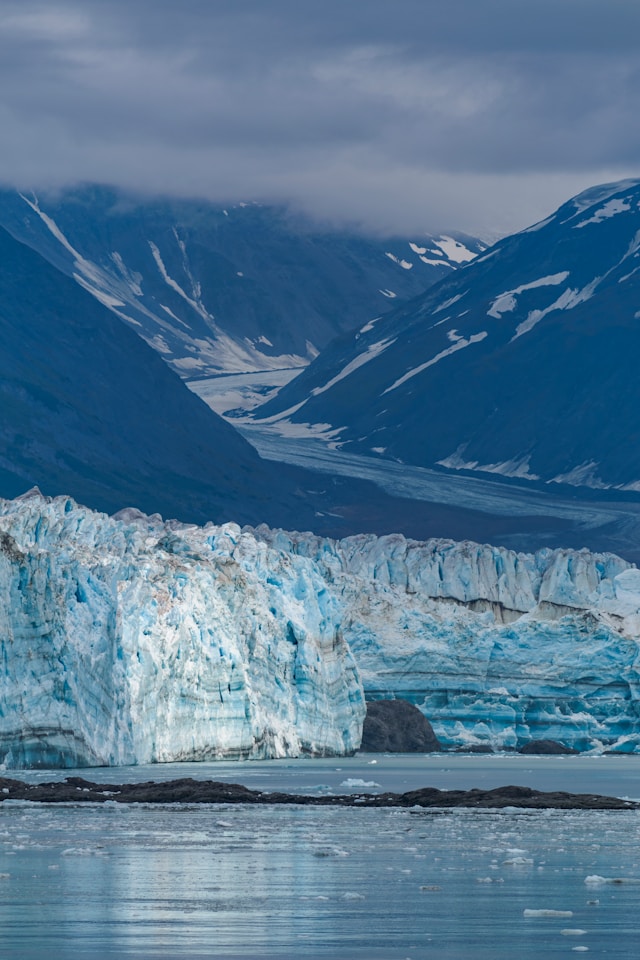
(187,790)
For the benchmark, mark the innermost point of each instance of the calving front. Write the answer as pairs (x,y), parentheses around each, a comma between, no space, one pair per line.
(129,640)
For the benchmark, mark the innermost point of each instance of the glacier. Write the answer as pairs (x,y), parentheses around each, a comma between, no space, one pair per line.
(497,648)
(129,640)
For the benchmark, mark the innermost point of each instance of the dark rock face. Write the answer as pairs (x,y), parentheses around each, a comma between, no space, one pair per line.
(545,747)
(396,726)
(187,790)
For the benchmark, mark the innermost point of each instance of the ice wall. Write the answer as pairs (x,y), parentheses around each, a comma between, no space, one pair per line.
(495,647)
(128,641)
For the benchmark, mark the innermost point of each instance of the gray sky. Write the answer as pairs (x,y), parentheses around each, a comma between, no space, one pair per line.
(478,115)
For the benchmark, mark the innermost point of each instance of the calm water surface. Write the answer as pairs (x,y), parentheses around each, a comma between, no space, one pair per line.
(229,881)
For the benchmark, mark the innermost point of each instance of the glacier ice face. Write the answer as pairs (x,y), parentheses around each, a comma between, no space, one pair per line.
(129,641)
(495,647)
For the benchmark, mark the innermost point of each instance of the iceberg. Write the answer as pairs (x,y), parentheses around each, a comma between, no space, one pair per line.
(128,640)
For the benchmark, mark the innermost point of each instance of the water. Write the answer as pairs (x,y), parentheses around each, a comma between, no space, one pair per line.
(338,884)
(615,775)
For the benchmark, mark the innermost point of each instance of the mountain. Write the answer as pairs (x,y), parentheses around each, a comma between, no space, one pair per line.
(140,641)
(88,409)
(225,290)
(523,363)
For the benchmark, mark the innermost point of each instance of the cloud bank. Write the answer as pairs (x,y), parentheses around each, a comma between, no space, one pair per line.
(405,116)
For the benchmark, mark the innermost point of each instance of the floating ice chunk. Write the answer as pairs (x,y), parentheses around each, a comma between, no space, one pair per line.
(357,783)
(330,852)
(594,880)
(558,914)
(573,932)
(352,896)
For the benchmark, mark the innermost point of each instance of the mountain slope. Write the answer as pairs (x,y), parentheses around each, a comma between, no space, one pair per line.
(217,290)
(523,363)
(88,409)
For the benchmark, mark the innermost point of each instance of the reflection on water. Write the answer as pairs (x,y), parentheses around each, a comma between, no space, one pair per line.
(194,882)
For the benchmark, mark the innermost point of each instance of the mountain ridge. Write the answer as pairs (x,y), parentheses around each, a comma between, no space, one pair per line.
(478,372)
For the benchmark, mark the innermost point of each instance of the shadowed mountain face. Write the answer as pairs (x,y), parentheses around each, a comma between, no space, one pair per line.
(218,290)
(88,409)
(523,363)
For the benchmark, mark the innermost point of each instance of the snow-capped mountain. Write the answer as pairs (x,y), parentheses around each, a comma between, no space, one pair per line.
(225,290)
(139,641)
(523,363)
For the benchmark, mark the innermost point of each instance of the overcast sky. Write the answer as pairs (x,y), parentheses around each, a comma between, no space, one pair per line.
(478,115)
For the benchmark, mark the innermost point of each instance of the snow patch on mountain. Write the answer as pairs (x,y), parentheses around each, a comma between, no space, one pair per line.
(599,194)
(610,209)
(372,351)
(516,467)
(370,325)
(454,250)
(506,302)
(401,263)
(459,345)
(583,475)
(195,304)
(566,301)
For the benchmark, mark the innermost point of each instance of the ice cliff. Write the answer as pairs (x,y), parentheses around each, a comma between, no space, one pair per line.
(495,647)
(129,640)
(126,641)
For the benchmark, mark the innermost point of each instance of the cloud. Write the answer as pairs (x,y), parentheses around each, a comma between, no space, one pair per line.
(417,114)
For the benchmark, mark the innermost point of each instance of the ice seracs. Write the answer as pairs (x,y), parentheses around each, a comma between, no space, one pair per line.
(130,640)
(495,647)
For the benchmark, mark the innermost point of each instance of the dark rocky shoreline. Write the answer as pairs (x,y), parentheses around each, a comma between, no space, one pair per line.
(187,790)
